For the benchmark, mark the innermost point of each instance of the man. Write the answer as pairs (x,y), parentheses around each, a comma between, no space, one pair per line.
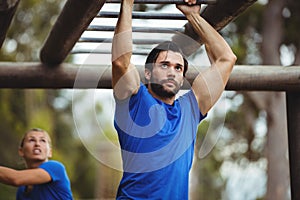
(44,179)
(157,131)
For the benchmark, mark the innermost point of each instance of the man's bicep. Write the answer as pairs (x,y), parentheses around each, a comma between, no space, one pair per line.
(208,87)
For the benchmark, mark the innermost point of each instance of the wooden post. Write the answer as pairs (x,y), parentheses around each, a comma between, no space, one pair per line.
(38,75)
(293,119)
(218,16)
(71,23)
(7,11)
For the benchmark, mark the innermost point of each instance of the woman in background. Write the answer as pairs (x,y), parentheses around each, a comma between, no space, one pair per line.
(44,179)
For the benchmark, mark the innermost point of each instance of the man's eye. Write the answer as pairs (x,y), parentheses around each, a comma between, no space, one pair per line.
(164,66)
(178,68)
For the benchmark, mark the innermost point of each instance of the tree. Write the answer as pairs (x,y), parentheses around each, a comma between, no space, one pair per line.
(278,170)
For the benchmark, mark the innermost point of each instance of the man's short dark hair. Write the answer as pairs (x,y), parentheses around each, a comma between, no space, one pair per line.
(165,46)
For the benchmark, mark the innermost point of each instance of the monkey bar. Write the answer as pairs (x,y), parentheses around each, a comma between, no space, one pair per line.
(75,19)
(137,29)
(164,1)
(70,25)
(143,15)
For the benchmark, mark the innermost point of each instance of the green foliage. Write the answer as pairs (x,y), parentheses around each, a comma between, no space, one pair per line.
(29,28)
(292,19)
(208,178)
(24,109)
(12,108)
(13,122)
(7,192)
(246,35)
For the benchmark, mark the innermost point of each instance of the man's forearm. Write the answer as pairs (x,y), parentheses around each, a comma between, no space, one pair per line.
(125,77)
(122,41)
(125,17)
(210,83)
(216,46)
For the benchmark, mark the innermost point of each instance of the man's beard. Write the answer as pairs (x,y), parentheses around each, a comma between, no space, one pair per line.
(162,92)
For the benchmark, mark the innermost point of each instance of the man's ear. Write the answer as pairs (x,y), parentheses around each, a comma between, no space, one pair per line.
(147,74)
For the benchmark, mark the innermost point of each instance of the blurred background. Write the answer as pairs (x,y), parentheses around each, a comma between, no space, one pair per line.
(247,130)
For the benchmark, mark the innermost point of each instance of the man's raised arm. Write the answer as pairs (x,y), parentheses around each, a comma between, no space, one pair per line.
(125,77)
(209,84)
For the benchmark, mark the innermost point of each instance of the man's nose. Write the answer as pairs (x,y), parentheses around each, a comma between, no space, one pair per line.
(171,72)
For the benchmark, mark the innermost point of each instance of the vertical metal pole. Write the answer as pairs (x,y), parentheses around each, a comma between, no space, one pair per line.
(293,117)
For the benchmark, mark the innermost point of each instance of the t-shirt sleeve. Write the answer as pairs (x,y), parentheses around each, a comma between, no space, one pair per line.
(190,97)
(55,169)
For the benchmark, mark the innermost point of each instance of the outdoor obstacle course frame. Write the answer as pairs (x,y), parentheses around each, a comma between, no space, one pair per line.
(52,73)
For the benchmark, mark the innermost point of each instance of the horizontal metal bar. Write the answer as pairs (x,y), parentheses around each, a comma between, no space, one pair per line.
(164,1)
(144,15)
(97,51)
(109,40)
(137,29)
(38,75)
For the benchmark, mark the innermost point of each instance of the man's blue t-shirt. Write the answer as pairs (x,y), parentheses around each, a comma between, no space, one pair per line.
(157,145)
(58,189)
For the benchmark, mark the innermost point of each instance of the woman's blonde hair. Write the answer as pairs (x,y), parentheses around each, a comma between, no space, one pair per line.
(37,130)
